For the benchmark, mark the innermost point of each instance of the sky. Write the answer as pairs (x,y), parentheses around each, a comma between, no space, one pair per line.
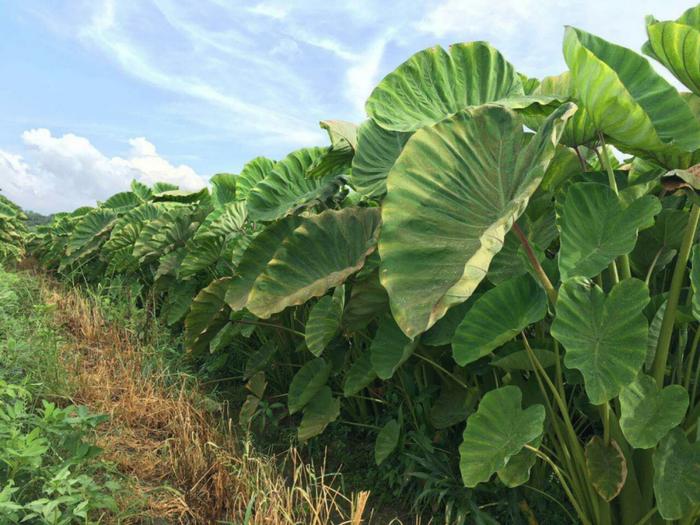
(96,93)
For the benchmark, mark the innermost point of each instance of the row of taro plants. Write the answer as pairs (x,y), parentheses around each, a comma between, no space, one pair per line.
(472,270)
(13,231)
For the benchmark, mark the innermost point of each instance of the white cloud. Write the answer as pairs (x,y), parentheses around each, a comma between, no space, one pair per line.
(363,75)
(270,10)
(501,17)
(62,173)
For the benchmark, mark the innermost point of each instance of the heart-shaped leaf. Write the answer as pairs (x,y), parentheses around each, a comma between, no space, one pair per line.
(517,471)
(498,430)
(208,314)
(377,150)
(321,410)
(252,173)
(596,228)
(658,245)
(625,98)
(322,252)
(434,84)
(677,476)
(497,316)
(287,188)
(452,195)
(390,348)
(676,45)
(386,442)
(605,337)
(223,189)
(306,383)
(256,258)
(647,413)
(323,323)
(360,374)
(368,300)
(454,404)
(579,130)
(607,467)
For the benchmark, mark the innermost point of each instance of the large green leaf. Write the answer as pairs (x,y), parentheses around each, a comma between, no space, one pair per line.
(647,413)
(253,172)
(454,404)
(287,189)
(596,228)
(442,332)
(498,430)
(323,323)
(386,442)
(453,194)
(377,150)
(223,189)
(122,202)
(319,254)
(579,130)
(360,374)
(607,467)
(208,314)
(321,410)
(626,98)
(368,300)
(676,44)
(390,348)
(659,244)
(306,383)
(95,223)
(255,259)
(498,316)
(517,471)
(605,337)
(339,155)
(434,84)
(677,476)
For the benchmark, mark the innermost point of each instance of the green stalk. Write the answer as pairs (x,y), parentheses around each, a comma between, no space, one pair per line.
(605,159)
(578,461)
(691,359)
(541,275)
(564,484)
(666,332)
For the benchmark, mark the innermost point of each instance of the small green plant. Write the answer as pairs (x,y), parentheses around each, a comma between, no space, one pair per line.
(47,465)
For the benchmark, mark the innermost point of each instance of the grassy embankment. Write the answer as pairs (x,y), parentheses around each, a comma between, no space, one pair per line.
(169,453)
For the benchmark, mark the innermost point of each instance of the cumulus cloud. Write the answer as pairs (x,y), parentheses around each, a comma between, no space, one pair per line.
(61,173)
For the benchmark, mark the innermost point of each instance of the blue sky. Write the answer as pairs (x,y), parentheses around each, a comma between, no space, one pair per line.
(95,93)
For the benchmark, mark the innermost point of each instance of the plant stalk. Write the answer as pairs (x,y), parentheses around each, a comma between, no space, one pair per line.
(666,332)
(541,275)
(605,159)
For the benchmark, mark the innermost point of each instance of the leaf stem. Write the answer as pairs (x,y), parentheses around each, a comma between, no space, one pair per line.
(666,332)
(564,484)
(542,276)
(443,370)
(605,159)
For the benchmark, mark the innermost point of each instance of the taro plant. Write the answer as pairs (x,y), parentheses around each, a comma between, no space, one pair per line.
(491,269)
(12,231)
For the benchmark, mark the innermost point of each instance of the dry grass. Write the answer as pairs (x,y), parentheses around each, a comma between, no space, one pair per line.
(184,468)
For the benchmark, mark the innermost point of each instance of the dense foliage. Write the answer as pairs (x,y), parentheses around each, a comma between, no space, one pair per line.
(12,230)
(474,251)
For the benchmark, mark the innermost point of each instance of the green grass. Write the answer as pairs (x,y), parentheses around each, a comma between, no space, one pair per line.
(50,471)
